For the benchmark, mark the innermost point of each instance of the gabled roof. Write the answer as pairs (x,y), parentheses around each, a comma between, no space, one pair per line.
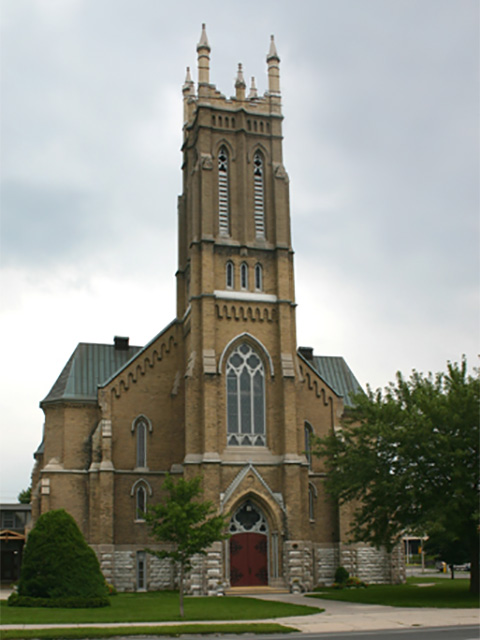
(88,366)
(338,375)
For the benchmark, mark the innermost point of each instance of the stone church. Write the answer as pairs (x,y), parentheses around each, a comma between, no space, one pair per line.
(222,391)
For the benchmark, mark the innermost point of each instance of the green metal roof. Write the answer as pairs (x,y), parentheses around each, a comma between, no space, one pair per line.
(338,375)
(88,366)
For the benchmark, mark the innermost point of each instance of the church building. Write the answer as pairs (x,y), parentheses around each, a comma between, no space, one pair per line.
(222,391)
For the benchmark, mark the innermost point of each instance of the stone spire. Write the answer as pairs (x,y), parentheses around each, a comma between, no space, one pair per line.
(203,52)
(240,84)
(188,95)
(253,90)
(273,69)
(188,84)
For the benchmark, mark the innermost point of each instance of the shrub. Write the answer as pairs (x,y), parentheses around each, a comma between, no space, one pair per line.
(111,589)
(341,575)
(355,582)
(15,600)
(58,563)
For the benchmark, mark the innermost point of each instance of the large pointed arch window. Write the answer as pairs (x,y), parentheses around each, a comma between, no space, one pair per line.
(223,194)
(258,195)
(245,398)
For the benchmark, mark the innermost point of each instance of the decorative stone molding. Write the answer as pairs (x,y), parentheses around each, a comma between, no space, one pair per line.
(279,172)
(245,313)
(206,161)
(209,361)
(190,365)
(288,370)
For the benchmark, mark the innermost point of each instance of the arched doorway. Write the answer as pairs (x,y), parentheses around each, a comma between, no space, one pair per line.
(248,547)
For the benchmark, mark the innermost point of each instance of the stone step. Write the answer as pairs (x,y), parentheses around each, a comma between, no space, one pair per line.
(251,591)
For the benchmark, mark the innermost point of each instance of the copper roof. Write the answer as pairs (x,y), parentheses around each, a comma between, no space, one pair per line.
(88,366)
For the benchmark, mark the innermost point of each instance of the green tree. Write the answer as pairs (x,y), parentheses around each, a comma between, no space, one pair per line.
(408,458)
(25,496)
(185,523)
(57,562)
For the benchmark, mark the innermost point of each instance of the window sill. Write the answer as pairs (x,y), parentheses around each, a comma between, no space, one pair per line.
(139,521)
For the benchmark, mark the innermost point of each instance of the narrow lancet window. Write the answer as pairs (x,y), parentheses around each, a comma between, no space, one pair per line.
(229,275)
(244,276)
(311,501)
(141,502)
(245,398)
(258,277)
(141,433)
(258,195)
(223,195)
(308,443)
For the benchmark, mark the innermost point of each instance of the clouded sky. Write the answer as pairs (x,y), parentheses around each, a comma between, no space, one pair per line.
(381,144)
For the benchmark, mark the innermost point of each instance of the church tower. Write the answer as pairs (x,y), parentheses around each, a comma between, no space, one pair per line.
(235,262)
(235,294)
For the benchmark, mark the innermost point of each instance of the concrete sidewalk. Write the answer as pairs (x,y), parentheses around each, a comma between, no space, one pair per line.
(338,616)
(347,616)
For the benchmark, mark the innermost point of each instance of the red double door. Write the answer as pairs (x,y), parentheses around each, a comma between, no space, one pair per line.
(248,560)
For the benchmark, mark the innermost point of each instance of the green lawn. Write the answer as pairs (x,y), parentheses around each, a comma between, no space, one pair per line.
(442,593)
(159,606)
(173,630)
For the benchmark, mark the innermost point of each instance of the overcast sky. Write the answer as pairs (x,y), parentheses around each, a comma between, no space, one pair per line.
(381,102)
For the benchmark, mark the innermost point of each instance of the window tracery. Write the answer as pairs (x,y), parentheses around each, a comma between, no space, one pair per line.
(245,377)
(248,519)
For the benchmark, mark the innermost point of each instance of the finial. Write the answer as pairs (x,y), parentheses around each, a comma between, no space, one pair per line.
(203,55)
(272,53)
(273,69)
(188,84)
(240,85)
(253,90)
(203,43)
(240,81)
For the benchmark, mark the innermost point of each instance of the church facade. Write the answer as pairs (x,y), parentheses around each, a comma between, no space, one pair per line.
(222,391)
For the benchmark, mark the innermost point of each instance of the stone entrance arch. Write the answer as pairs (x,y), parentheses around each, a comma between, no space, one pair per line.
(248,546)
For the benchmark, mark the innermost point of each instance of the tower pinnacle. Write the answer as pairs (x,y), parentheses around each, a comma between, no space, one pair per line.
(203,51)
(273,69)
(240,85)
(253,90)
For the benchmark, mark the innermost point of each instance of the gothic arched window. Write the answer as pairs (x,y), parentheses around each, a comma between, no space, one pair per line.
(245,398)
(258,277)
(258,195)
(223,195)
(141,502)
(229,275)
(308,429)
(244,275)
(141,429)
(312,494)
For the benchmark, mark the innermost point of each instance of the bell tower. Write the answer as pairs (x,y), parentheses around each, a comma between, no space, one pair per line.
(235,261)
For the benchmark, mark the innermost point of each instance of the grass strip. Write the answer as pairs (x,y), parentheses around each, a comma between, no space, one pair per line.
(158,607)
(440,593)
(165,630)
